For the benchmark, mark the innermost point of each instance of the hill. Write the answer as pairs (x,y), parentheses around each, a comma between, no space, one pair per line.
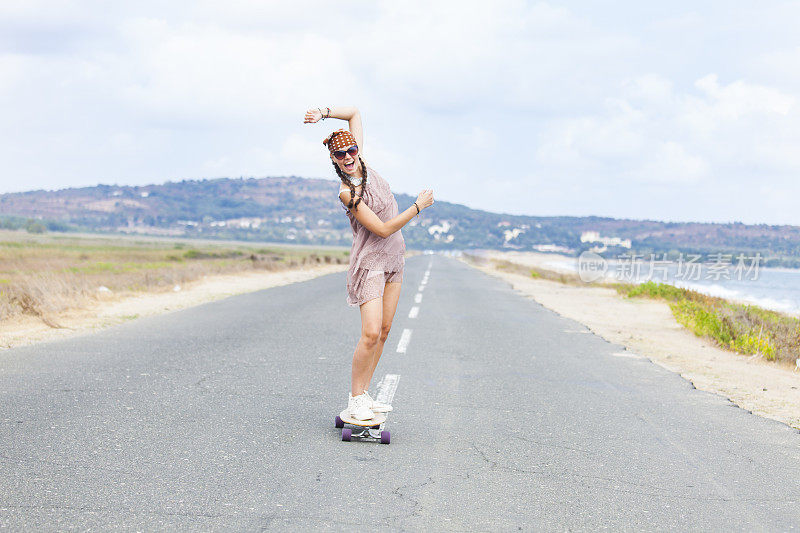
(304,210)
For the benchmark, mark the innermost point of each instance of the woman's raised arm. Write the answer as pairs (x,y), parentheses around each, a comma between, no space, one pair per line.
(348,113)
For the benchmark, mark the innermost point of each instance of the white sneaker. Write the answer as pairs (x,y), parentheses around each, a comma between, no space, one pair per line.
(376,406)
(358,407)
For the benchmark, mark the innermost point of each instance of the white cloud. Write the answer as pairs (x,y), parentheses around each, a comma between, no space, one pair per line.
(570,107)
(739,98)
(301,150)
(671,163)
(652,133)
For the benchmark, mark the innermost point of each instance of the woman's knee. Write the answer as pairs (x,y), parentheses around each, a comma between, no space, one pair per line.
(385,328)
(370,336)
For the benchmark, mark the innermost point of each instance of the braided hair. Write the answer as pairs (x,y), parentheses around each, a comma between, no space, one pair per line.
(346,180)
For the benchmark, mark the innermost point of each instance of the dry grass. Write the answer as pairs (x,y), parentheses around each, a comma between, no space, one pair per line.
(516,268)
(45,275)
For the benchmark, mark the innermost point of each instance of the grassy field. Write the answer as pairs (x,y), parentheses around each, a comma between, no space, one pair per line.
(42,275)
(742,328)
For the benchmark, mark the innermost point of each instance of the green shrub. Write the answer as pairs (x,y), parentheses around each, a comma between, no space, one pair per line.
(35,227)
(652,289)
(751,344)
(746,329)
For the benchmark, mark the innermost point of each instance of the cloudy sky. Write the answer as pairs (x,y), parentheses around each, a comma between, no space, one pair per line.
(675,111)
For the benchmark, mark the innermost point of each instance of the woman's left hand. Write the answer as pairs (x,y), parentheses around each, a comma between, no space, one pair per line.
(312,115)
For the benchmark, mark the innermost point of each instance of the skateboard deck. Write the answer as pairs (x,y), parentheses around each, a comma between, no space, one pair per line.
(371,429)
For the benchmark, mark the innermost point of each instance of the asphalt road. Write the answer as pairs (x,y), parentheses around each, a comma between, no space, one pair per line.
(507,417)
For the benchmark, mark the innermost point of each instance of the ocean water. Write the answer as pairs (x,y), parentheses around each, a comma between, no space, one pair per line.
(772,288)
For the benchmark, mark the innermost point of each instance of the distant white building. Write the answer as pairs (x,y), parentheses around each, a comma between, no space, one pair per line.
(443,227)
(440,231)
(551,248)
(512,233)
(244,222)
(594,236)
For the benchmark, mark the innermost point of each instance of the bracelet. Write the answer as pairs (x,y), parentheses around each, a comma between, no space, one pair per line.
(415,205)
(328,115)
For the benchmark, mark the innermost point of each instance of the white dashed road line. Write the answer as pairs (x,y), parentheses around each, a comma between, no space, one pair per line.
(405,337)
(631,355)
(404,340)
(387,387)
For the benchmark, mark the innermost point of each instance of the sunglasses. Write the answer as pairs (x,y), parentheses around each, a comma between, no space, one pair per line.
(339,154)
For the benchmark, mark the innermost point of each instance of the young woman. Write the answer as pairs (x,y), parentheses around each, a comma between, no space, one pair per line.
(377,255)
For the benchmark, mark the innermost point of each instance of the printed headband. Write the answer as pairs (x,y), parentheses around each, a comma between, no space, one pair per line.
(339,140)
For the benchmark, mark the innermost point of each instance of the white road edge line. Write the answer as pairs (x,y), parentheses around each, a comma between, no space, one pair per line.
(414,312)
(404,339)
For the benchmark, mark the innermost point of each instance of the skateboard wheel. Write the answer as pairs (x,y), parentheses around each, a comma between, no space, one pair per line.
(385,437)
(346,434)
(339,422)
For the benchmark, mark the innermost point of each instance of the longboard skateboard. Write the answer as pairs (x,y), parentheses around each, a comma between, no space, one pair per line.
(371,429)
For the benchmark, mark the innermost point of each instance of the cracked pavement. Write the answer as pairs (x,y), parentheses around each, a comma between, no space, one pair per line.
(507,417)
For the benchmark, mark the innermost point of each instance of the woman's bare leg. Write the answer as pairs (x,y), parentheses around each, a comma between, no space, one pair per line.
(371,316)
(391,294)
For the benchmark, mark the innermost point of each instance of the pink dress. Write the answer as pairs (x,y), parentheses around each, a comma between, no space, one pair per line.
(374,260)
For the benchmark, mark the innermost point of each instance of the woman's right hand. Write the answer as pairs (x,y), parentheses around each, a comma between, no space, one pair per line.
(313,115)
(425,199)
